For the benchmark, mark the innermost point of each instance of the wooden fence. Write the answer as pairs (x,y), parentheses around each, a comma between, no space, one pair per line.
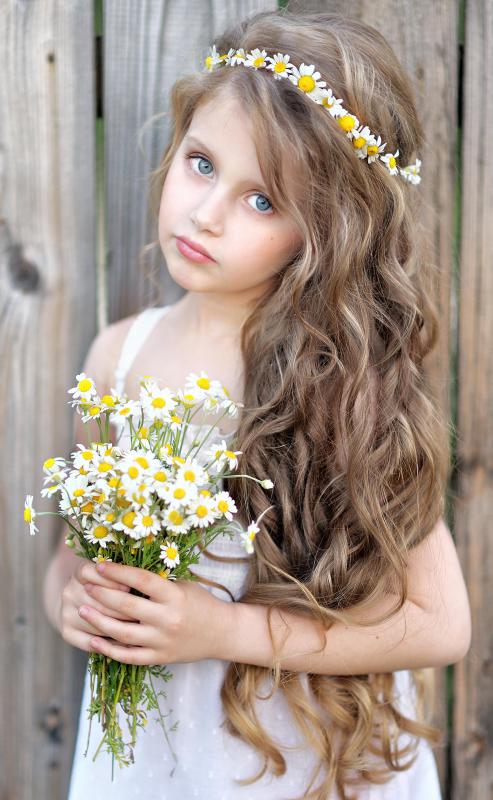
(69,255)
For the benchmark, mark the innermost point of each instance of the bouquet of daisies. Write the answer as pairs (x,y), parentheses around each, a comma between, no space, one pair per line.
(154,505)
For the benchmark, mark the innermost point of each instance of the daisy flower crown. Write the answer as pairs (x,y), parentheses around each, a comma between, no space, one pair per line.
(365,144)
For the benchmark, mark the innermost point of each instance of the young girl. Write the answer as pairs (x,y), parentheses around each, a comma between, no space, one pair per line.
(293,232)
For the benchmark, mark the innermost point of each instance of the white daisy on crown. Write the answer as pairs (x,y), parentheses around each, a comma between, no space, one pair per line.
(305,77)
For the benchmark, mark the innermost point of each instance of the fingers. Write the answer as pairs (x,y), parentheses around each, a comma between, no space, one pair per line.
(129,633)
(86,572)
(88,597)
(128,605)
(146,582)
(126,655)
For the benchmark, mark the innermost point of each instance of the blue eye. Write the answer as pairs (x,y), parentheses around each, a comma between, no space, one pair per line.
(262,207)
(263,200)
(200,158)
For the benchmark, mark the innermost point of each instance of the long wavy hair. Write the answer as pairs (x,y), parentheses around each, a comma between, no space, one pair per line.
(338,410)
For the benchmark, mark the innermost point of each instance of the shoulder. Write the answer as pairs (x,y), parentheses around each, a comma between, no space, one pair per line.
(104,352)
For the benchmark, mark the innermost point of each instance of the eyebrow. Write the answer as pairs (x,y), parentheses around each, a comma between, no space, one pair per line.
(189,139)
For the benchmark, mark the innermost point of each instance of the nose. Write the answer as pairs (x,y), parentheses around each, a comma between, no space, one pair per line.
(208,213)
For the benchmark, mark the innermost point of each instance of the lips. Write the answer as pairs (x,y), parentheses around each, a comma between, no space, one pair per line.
(195,246)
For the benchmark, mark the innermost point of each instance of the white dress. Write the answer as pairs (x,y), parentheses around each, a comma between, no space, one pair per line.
(209,758)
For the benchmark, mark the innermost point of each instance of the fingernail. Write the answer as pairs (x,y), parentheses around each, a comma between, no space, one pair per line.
(100,567)
(89,587)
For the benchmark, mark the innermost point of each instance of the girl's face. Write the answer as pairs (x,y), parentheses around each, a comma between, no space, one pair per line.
(214,196)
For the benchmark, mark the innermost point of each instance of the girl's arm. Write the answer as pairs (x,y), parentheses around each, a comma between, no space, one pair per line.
(432,629)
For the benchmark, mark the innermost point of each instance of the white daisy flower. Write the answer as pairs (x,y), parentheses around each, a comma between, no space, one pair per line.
(85,389)
(165,573)
(100,558)
(169,553)
(249,535)
(103,463)
(220,454)
(189,398)
(411,172)
(256,59)
(181,492)
(49,491)
(74,494)
(192,472)
(305,78)
(82,457)
(327,99)
(140,494)
(280,65)
(30,514)
(238,57)
(175,521)
(225,504)
(362,138)
(349,123)
(202,384)
(91,410)
(226,57)
(374,150)
(126,524)
(390,161)
(53,465)
(202,513)
(146,523)
(109,401)
(130,409)
(99,534)
(212,58)
(157,403)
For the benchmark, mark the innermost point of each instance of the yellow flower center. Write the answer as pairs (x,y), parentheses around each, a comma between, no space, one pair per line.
(100,531)
(158,402)
(179,493)
(84,385)
(175,517)
(27,515)
(204,383)
(306,83)
(392,162)
(189,475)
(149,538)
(223,505)
(372,149)
(143,433)
(50,462)
(327,102)
(160,476)
(133,472)
(175,418)
(279,66)
(147,521)
(347,122)
(359,142)
(87,455)
(202,511)
(128,519)
(94,411)
(113,481)
(142,461)
(205,493)
(87,508)
(208,62)
(108,400)
(110,516)
(104,466)
(78,492)
(171,552)
(257,62)
(229,454)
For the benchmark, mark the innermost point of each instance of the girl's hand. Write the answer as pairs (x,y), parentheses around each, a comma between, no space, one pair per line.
(73,628)
(180,621)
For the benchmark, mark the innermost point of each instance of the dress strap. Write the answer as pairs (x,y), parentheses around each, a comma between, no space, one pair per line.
(139,330)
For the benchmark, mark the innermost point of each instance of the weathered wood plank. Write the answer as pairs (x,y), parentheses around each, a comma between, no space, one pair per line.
(47,319)
(473,687)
